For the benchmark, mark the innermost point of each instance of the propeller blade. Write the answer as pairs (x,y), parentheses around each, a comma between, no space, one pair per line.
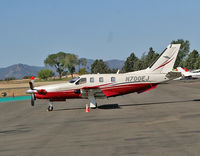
(33,99)
(31,91)
(31,85)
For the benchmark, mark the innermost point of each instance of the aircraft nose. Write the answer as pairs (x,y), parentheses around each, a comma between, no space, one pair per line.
(30,91)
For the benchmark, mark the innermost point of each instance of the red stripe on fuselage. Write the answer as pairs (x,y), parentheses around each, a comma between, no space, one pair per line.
(126,89)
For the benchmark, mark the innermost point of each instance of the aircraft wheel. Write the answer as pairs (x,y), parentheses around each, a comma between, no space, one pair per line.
(50,108)
(94,107)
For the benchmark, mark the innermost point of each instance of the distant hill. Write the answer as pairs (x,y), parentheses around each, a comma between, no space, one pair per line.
(115,64)
(20,70)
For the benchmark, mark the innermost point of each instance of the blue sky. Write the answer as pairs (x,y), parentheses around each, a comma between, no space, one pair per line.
(30,30)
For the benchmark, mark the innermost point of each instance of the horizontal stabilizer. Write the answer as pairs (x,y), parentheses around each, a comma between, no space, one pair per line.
(173,75)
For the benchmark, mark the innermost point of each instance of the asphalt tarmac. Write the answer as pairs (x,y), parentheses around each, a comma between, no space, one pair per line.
(164,121)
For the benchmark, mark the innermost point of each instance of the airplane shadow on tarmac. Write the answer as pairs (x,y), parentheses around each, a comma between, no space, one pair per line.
(106,106)
(159,103)
(117,106)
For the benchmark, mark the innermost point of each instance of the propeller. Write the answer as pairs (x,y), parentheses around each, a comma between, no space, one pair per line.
(32,91)
(33,98)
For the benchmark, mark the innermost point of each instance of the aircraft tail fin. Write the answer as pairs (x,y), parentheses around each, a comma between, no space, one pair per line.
(165,61)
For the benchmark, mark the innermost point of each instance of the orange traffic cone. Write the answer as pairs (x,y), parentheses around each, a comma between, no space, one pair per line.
(87,109)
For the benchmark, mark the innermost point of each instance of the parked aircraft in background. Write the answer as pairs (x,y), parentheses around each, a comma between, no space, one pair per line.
(189,75)
(196,71)
(93,86)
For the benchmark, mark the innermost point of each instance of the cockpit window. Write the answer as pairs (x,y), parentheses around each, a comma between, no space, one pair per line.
(81,81)
(74,80)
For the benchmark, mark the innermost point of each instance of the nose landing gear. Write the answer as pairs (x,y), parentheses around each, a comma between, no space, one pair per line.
(50,107)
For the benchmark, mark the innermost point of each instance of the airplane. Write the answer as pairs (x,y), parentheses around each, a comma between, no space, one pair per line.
(196,71)
(187,74)
(94,86)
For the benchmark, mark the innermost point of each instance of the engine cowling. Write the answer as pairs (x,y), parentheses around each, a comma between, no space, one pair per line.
(42,92)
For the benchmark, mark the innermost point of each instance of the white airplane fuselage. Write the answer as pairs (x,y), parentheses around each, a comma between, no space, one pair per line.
(110,84)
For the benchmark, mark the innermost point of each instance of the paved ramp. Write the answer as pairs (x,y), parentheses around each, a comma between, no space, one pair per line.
(164,121)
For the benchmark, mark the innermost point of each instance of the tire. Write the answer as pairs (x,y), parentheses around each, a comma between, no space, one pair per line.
(50,108)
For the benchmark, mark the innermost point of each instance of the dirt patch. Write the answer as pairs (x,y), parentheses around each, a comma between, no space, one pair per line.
(19,87)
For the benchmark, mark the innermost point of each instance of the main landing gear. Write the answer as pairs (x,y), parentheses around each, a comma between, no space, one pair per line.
(50,107)
(93,103)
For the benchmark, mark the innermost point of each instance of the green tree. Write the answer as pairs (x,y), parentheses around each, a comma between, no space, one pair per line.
(10,78)
(149,58)
(70,62)
(191,60)
(139,65)
(114,70)
(57,61)
(99,66)
(45,74)
(26,77)
(183,52)
(197,63)
(141,62)
(130,63)
(82,71)
(71,69)
(82,61)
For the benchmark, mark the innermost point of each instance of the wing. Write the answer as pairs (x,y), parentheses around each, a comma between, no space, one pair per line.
(92,91)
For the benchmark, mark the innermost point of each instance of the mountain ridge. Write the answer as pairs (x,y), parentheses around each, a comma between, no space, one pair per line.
(20,70)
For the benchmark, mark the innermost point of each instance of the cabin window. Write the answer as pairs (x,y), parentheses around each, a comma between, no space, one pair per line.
(92,79)
(112,79)
(101,79)
(81,81)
